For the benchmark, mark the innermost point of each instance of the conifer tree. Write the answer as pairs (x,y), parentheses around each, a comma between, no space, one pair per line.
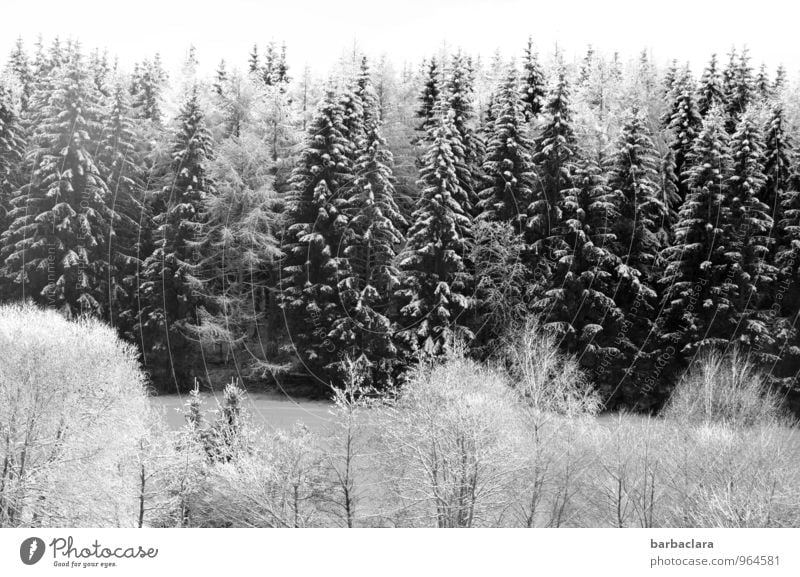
(147,90)
(118,163)
(316,220)
(429,97)
(435,284)
(684,126)
(254,63)
(778,162)
(697,292)
(577,301)
(169,291)
(459,96)
(639,211)
(554,152)
(56,247)
(534,89)
(20,68)
(368,275)
(710,90)
(508,165)
(740,90)
(762,84)
(750,228)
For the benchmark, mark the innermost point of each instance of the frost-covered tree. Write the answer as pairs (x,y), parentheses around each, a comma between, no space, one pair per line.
(316,219)
(119,163)
(778,162)
(635,182)
(429,96)
(241,251)
(435,290)
(577,301)
(710,92)
(739,89)
(684,126)
(12,145)
(534,87)
(169,290)
(369,275)
(56,249)
(20,68)
(554,152)
(147,88)
(749,232)
(508,166)
(459,95)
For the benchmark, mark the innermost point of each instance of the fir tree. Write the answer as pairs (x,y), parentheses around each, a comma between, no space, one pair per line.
(316,219)
(577,300)
(220,79)
(56,248)
(534,89)
(639,211)
(778,162)
(118,164)
(147,90)
(435,283)
(710,91)
(554,153)
(762,84)
(20,68)
(698,293)
(750,228)
(169,290)
(684,126)
(459,97)
(368,273)
(429,97)
(254,63)
(508,165)
(740,90)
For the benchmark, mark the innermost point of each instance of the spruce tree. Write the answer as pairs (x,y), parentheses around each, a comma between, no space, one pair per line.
(554,153)
(710,90)
(749,234)
(684,126)
(368,275)
(577,301)
(20,68)
(458,93)
(428,98)
(740,90)
(118,162)
(169,290)
(778,162)
(56,249)
(639,211)
(435,294)
(254,62)
(508,165)
(316,220)
(534,89)
(698,295)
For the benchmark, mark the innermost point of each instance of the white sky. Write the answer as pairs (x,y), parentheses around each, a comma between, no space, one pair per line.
(318,32)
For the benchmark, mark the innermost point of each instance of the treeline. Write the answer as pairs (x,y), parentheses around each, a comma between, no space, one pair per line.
(642,214)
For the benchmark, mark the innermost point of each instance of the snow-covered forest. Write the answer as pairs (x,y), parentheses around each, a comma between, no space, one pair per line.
(471,258)
(282,223)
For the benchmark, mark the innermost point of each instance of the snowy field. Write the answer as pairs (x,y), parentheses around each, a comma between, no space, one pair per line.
(273,410)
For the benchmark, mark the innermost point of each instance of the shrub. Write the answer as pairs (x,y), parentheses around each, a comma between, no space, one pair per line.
(72,409)
(726,389)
